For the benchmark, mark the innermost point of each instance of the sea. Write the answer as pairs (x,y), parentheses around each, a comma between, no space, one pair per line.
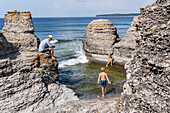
(74,69)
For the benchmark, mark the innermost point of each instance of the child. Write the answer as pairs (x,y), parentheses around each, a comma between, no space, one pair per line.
(110,58)
(103,79)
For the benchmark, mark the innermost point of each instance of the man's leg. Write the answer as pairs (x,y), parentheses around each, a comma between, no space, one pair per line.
(52,53)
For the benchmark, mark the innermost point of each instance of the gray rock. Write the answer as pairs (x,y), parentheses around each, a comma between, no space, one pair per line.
(28,80)
(123,50)
(148,71)
(6,48)
(100,36)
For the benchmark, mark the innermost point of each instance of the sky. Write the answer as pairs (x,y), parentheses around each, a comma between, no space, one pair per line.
(72,8)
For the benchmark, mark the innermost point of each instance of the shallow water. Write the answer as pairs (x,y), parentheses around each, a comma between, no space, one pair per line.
(83,79)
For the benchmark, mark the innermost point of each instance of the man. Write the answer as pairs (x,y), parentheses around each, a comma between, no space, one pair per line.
(46,46)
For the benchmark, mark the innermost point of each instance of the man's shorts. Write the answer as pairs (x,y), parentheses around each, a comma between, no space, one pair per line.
(103,82)
(45,50)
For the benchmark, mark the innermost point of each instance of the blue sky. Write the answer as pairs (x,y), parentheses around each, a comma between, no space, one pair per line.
(72,8)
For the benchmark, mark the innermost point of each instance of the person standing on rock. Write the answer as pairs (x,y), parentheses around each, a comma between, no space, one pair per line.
(102,79)
(46,46)
(110,58)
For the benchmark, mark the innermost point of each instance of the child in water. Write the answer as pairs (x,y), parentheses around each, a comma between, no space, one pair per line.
(110,58)
(102,79)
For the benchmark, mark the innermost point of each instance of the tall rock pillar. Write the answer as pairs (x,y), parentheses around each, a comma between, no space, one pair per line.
(99,39)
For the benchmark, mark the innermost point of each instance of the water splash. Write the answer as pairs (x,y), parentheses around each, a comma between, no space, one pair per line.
(53,41)
(79,57)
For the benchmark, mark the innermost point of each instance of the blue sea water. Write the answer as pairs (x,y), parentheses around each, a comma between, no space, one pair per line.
(68,33)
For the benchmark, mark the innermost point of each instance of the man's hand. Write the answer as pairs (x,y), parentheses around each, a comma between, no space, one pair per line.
(98,82)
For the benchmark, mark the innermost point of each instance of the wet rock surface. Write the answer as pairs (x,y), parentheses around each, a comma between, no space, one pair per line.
(147,86)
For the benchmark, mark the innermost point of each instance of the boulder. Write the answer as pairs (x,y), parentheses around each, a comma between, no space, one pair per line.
(100,36)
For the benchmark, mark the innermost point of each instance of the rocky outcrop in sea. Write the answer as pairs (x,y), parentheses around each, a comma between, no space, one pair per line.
(147,86)
(99,39)
(28,80)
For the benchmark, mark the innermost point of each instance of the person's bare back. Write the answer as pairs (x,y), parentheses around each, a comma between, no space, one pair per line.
(102,76)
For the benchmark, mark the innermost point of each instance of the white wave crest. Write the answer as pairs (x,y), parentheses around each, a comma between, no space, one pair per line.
(81,58)
(53,41)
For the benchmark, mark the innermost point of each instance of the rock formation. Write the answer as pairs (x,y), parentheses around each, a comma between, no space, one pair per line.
(28,80)
(123,50)
(100,36)
(147,86)
(101,39)
(6,48)
(19,30)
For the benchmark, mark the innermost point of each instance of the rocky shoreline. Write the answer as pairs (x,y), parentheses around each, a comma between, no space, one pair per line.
(29,80)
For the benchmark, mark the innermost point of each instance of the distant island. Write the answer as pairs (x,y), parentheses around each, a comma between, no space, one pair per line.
(129,14)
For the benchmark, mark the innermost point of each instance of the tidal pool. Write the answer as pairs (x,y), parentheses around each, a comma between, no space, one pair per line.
(82,78)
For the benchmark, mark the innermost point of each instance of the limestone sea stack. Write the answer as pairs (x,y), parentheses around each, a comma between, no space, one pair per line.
(123,50)
(147,86)
(99,39)
(28,80)
(18,30)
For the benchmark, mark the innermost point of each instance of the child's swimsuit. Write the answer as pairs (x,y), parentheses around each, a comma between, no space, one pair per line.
(103,82)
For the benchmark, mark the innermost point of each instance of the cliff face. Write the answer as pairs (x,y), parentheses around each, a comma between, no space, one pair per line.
(100,36)
(147,86)
(28,80)
(123,50)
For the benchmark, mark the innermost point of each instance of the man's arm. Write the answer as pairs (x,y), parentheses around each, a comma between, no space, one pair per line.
(49,45)
(108,79)
(98,79)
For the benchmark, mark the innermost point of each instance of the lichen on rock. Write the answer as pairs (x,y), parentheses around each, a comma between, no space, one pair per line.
(28,80)
(148,71)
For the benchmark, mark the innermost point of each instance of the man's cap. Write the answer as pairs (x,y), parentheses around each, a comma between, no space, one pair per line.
(50,36)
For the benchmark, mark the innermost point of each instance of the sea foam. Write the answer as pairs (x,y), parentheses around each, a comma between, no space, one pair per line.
(81,58)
